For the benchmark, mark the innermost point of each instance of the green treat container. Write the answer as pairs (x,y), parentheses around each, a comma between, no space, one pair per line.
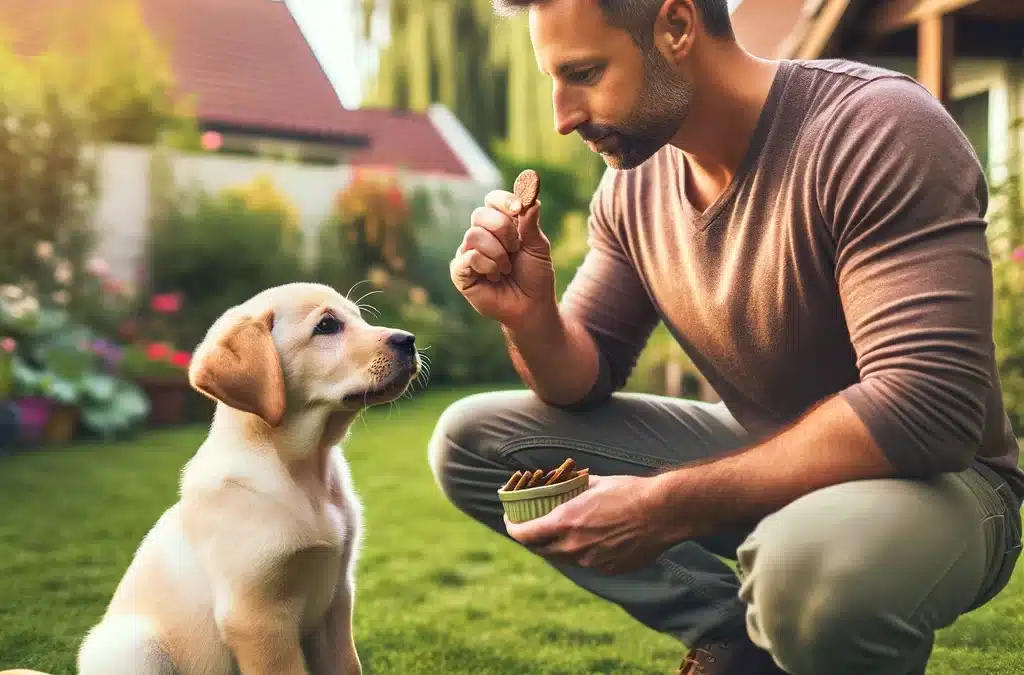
(530,503)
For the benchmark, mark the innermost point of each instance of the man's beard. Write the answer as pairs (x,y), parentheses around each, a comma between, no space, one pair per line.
(663,104)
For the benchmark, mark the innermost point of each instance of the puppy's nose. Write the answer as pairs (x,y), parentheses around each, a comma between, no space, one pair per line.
(402,341)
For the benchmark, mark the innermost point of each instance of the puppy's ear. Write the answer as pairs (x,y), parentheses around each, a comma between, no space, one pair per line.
(242,369)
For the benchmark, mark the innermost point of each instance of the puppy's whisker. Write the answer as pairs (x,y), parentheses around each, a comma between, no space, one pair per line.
(371,309)
(349,294)
(360,300)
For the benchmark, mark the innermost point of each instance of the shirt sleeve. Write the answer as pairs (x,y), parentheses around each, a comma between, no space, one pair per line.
(905,196)
(607,297)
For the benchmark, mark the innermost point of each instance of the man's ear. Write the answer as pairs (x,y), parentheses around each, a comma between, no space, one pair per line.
(242,369)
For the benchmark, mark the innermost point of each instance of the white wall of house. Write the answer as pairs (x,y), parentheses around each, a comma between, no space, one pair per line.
(122,215)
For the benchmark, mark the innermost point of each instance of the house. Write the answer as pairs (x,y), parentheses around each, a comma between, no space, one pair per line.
(968,53)
(257,83)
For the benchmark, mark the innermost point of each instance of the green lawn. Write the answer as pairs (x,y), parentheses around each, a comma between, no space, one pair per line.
(444,599)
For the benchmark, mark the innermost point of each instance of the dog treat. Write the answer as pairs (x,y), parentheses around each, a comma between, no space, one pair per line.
(567,466)
(522,480)
(511,484)
(535,480)
(527,187)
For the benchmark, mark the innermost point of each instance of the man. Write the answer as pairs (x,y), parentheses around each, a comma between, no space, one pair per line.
(813,234)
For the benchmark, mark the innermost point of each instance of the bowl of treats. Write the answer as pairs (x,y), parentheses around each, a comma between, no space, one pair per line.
(532,494)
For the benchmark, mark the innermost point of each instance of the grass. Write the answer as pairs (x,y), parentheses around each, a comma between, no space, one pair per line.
(448,598)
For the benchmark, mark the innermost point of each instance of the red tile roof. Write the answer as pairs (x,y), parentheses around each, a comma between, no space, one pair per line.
(249,66)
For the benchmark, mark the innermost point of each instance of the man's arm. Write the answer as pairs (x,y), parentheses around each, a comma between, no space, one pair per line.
(904,198)
(579,353)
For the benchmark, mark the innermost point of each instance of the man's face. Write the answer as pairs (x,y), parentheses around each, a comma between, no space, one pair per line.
(626,104)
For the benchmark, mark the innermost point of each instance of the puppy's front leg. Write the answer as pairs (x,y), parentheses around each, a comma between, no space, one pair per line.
(332,647)
(264,642)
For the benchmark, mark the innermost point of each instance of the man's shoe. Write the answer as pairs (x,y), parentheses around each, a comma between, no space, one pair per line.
(728,657)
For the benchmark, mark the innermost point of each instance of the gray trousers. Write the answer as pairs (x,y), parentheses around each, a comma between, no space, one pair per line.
(854,578)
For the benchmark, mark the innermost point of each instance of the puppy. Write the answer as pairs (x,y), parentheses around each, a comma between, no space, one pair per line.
(251,570)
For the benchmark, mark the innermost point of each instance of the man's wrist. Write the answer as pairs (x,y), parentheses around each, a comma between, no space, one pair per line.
(664,500)
(541,324)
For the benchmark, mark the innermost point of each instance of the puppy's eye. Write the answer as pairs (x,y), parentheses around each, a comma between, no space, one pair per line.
(328,326)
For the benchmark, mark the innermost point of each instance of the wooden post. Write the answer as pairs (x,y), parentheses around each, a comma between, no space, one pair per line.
(673,378)
(935,54)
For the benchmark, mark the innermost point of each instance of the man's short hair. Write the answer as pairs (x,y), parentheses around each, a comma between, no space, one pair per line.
(637,16)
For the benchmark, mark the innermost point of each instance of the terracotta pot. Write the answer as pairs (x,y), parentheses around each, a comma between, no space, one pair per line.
(62,425)
(167,400)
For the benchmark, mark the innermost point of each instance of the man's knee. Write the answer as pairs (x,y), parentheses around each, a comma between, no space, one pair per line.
(468,436)
(822,598)
(462,430)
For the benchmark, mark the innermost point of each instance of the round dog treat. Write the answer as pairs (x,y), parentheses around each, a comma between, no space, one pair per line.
(527,187)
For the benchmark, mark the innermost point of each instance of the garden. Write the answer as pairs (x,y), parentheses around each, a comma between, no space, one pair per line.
(97,418)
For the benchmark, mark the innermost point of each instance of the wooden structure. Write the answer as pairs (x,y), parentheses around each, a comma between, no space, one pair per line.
(933,32)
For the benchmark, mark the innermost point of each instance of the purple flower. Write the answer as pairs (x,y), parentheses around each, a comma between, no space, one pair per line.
(108,351)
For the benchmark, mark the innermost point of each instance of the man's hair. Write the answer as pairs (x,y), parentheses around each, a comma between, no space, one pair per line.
(636,17)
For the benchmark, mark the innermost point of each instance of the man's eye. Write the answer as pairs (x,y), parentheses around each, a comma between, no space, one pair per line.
(328,326)
(586,76)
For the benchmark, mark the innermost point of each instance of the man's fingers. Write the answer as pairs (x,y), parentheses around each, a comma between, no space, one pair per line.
(477,238)
(500,225)
(504,201)
(470,264)
(540,533)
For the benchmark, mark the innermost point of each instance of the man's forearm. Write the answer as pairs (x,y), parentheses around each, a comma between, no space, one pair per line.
(827,447)
(556,358)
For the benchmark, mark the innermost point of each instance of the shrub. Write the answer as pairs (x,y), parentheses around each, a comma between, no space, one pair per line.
(103,57)
(1007,246)
(216,252)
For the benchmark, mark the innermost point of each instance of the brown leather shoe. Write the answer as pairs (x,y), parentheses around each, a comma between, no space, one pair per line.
(728,657)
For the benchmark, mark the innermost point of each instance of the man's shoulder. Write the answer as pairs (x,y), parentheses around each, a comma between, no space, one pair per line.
(846,71)
(862,94)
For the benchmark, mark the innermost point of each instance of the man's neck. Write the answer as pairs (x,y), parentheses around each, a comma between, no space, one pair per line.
(732,87)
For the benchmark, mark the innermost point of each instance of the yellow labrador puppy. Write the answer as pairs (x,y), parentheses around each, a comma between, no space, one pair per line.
(251,570)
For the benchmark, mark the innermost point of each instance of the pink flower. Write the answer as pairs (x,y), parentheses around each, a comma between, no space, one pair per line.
(8,344)
(211,141)
(181,359)
(167,303)
(1018,254)
(158,351)
(98,267)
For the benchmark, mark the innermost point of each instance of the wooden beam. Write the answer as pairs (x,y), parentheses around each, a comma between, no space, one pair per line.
(814,41)
(935,54)
(893,15)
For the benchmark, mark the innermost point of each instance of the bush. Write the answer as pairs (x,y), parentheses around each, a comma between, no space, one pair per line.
(46,194)
(216,252)
(1007,245)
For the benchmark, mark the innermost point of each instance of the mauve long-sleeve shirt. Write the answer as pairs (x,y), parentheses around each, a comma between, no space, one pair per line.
(847,257)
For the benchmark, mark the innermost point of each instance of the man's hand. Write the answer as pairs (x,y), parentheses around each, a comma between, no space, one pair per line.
(503,266)
(609,527)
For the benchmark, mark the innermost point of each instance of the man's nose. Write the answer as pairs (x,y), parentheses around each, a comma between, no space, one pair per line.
(568,114)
